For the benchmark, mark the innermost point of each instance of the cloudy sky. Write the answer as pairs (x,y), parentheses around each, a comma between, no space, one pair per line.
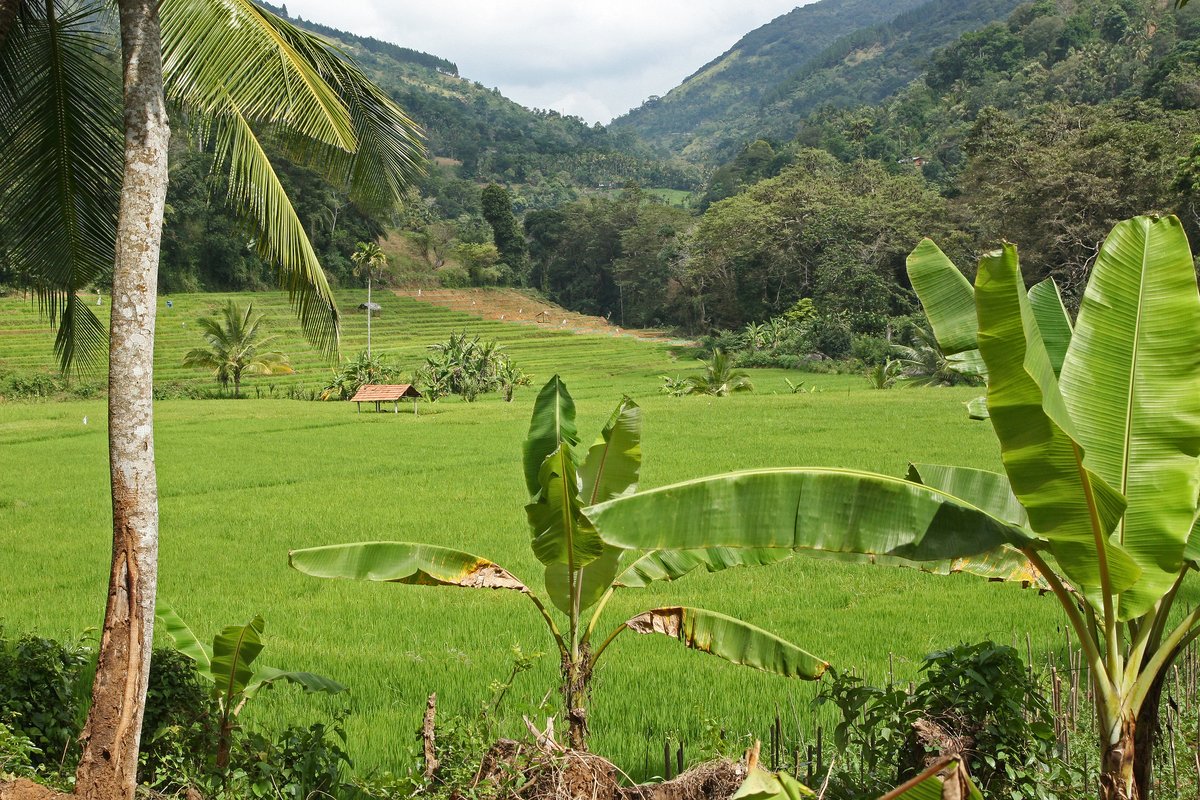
(593,59)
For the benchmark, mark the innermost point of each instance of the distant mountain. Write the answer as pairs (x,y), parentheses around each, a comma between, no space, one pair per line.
(483,136)
(687,119)
(841,52)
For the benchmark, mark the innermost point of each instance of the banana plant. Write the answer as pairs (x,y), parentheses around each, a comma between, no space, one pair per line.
(1098,422)
(581,571)
(946,779)
(228,664)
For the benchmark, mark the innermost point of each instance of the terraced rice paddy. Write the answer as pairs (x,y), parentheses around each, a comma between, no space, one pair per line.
(241,482)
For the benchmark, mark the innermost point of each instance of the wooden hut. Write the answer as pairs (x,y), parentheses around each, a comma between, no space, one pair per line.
(378,393)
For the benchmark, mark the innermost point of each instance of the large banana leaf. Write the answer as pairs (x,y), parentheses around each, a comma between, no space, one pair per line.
(947,296)
(402,562)
(763,785)
(1053,322)
(986,490)
(234,651)
(596,577)
(310,682)
(1067,504)
(730,639)
(614,459)
(609,470)
(1004,564)
(1131,381)
(184,639)
(947,779)
(552,423)
(990,492)
(561,532)
(805,509)
(670,565)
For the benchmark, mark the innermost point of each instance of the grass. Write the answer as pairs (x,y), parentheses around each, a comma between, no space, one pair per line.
(241,482)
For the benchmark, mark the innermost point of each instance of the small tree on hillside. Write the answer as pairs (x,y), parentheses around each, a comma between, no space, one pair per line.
(368,260)
(509,239)
(236,347)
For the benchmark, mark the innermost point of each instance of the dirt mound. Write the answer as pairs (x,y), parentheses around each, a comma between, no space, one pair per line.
(530,772)
(22,789)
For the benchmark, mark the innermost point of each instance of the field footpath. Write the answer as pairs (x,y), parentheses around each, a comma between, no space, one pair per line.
(510,305)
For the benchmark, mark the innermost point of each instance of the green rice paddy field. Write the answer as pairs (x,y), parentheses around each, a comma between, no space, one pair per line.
(241,482)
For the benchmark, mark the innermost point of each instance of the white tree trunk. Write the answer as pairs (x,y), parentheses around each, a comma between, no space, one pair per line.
(108,766)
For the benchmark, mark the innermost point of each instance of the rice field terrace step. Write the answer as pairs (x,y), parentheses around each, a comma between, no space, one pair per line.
(508,305)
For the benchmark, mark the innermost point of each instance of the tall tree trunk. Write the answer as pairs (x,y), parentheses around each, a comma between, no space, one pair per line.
(1117,762)
(368,314)
(108,765)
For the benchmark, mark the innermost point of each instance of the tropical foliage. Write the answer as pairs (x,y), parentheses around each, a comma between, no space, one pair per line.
(80,196)
(581,571)
(236,347)
(228,664)
(720,379)
(464,366)
(357,371)
(1099,431)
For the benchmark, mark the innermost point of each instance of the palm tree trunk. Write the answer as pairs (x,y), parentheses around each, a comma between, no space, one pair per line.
(368,314)
(108,765)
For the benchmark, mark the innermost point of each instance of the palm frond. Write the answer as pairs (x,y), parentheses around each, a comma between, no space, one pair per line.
(256,193)
(221,53)
(60,164)
(390,152)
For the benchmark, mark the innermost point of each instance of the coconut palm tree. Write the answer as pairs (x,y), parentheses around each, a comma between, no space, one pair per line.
(236,347)
(720,378)
(83,180)
(368,258)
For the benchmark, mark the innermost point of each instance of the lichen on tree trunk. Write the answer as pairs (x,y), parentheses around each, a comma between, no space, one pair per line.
(111,736)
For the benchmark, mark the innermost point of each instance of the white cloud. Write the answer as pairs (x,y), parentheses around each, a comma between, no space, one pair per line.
(596,60)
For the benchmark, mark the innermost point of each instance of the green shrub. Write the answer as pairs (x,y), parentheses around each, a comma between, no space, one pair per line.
(981,694)
(179,730)
(43,686)
(357,371)
(467,367)
(870,350)
(17,755)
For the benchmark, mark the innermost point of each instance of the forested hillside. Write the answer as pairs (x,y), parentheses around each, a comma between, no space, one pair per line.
(496,139)
(779,73)
(1044,128)
(691,117)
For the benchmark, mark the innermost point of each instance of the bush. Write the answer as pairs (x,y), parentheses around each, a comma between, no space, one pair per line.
(981,693)
(453,276)
(467,367)
(44,386)
(870,350)
(828,335)
(179,730)
(43,690)
(17,755)
(297,764)
(357,371)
